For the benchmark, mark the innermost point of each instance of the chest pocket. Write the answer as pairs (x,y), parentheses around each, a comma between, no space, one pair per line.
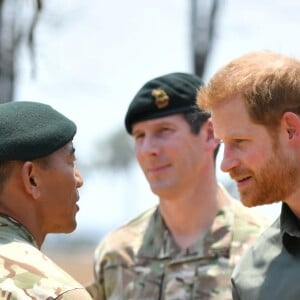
(203,280)
(164,280)
(134,282)
(213,281)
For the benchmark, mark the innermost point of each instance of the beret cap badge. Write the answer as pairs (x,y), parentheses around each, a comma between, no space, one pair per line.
(172,93)
(161,98)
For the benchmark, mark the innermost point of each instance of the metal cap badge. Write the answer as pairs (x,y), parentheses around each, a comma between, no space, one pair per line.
(161,98)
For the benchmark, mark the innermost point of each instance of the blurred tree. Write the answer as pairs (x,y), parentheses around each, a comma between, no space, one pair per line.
(18,19)
(116,155)
(116,152)
(203,17)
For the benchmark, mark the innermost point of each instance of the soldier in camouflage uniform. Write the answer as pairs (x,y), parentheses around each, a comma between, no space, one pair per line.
(38,195)
(186,247)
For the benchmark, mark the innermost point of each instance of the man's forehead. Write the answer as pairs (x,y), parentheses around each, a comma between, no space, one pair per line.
(231,116)
(158,121)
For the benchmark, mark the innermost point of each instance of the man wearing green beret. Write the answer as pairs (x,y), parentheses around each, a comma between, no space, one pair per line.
(38,195)
(186,246)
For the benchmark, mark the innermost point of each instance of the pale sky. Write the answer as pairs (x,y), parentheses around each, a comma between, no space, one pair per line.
(92,57)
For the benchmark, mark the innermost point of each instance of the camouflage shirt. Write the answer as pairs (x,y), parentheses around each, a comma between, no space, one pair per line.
(142,261)
(26,273)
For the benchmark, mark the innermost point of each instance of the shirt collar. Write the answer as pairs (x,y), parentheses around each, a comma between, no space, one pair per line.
(158,241)
(16,226)
(290,229)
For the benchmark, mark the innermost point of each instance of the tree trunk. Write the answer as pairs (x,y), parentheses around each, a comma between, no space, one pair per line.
(203,14)
(14,29)
(7,72)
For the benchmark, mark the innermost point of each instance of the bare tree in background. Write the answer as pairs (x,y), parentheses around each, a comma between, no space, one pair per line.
(203,21)
(18,19)
(203,18)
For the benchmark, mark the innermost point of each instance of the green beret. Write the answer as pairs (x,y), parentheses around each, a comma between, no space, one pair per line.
(30,130)
(162,96)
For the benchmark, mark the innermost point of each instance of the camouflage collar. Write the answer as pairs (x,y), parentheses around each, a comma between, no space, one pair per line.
(9,224)
(159,243)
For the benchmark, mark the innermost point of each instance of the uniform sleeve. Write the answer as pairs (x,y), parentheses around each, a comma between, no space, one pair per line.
(96,288)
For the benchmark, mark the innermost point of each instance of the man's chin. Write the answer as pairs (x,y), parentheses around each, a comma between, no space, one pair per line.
(255,202)
(66,229)
(249,203)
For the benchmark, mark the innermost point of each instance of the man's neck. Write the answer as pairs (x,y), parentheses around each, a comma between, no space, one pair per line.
(189,217)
